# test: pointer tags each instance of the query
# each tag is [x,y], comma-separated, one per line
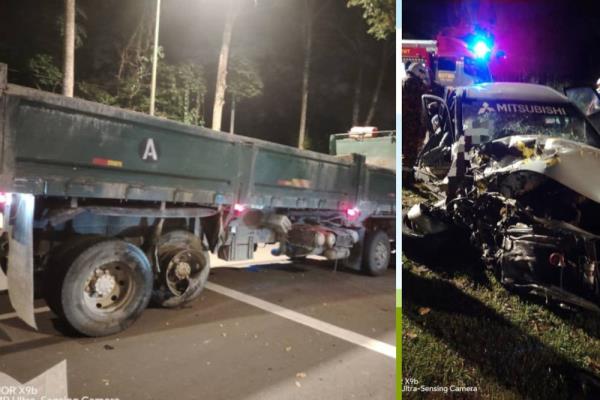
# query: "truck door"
[435,158]
[588,101]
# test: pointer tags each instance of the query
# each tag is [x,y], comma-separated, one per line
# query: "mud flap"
[20,257]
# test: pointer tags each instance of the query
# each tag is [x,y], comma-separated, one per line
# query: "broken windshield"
[486,120]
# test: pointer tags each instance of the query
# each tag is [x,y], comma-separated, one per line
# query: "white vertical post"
[232,119]
[154,59]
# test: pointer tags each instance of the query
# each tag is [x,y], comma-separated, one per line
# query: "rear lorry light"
[353,212]
[239,208]
[5,199]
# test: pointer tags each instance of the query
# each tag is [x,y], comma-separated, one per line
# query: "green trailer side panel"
[303,181]
[77,148]
[58,146]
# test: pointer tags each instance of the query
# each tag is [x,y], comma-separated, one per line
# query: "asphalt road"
[221,347]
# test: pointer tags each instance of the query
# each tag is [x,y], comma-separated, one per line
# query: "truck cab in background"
[378,147]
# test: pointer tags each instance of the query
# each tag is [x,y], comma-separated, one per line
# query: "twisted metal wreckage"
[522,181]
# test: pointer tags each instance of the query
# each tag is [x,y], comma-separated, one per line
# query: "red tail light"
[239,208]
[353,212]
[5,198]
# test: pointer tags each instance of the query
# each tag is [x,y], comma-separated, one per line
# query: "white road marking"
[4,317]
[340,333]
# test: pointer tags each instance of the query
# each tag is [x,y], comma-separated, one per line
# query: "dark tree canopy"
[113,55]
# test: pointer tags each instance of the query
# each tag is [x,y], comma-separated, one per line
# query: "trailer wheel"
[184,268]
[376,253]
[61,259]
[105,287]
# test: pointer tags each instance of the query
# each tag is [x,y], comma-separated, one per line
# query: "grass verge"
[461,328]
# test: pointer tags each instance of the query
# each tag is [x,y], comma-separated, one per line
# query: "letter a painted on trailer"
[150,153]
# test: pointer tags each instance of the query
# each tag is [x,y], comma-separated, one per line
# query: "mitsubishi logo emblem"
[485,107]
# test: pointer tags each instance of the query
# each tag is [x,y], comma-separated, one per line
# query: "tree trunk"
[69,49]
[222,69]
[357,92]
[305,77]
[375,99]
[232,119]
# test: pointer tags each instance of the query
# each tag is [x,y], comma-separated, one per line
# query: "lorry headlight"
[330,239]
[319,239]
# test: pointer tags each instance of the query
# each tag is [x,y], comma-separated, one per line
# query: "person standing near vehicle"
[413,132]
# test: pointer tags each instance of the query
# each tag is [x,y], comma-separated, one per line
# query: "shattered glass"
[491,120]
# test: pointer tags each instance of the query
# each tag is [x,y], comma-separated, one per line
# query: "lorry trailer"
[112,209]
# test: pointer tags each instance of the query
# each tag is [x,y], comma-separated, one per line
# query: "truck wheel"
[104,289]
[54,274]
[184,269]
[377,253]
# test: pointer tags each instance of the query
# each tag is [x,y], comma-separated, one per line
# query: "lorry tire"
[376,253]
[184,268]
[61,258]
[101,288]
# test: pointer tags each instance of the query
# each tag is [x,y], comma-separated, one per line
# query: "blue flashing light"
[481,43]
[481,49]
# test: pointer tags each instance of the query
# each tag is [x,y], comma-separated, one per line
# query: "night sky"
[267,31]
[552,42]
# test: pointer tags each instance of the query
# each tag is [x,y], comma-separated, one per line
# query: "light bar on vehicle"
[481,49]
[363,131]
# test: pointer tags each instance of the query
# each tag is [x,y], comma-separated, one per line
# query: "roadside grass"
[461,327]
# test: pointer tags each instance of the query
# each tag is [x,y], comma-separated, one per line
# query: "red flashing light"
[239,208]
[353,212]
[5,198]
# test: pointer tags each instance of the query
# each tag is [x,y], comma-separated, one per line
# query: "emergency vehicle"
[459,56]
